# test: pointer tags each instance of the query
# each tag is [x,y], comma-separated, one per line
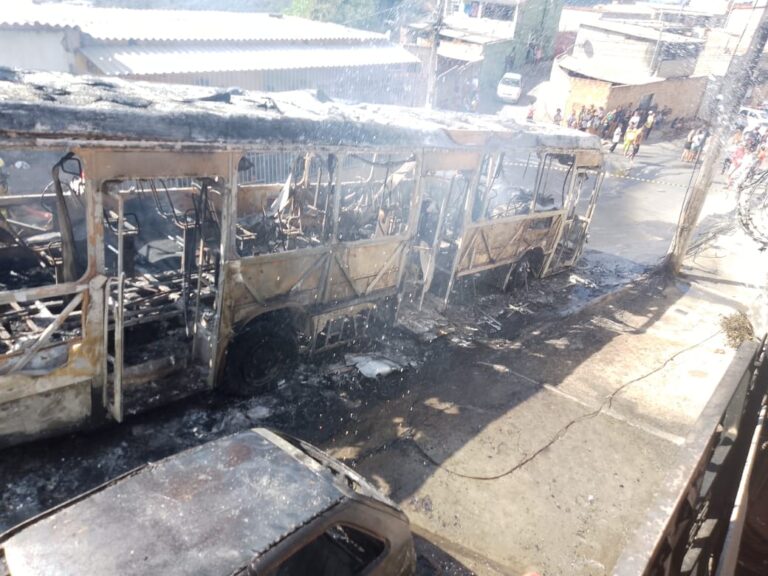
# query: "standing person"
[629,138]
[572,120]
[616,138]
[558,119]
[734,143]
[607,124]
[697,144]
[531,113]
[686,156]
[635,118]
[594,127]
[648,126]
[583,119]
[635,144]
[621,115]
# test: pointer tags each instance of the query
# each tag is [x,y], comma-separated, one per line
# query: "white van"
[510,88]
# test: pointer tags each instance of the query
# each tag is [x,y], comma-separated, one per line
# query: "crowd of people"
[694,144]
[747,150]
[626,124]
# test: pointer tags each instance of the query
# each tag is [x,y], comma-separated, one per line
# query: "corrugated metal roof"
[163,59]
[118,24]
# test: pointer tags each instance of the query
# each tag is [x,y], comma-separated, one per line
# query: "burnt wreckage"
[150,230]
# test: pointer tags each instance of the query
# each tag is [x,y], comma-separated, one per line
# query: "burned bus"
[160,240]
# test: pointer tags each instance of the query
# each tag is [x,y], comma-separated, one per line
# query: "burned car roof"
[207,510]
[57,106]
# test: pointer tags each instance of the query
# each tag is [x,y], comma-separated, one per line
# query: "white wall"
[571,18]
[615,51]
[35,50]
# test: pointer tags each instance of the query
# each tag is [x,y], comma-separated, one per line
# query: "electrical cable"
[560,433]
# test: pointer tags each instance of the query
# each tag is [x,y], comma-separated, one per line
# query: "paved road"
[640,203]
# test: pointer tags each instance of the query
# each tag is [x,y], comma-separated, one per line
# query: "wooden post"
[735,84]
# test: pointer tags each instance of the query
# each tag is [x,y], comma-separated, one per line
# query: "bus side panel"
[366,268]
[263,279]
[493,244]
[39,415]
[61,386]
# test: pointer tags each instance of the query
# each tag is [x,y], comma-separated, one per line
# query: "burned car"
[253,503]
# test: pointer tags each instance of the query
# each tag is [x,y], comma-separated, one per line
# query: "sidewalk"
[543,453]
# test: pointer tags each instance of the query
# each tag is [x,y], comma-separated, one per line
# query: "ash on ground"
[316,400]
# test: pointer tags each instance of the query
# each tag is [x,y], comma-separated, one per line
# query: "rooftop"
[119,60]
[611,72]
[208,510]
[42,106]
[122,25]
[473,30]
[642,32]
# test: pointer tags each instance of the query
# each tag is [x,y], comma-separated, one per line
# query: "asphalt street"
[639,201]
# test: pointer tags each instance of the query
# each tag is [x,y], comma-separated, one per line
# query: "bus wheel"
[259,355]
[529,266]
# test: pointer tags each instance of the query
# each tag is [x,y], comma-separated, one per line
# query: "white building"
[254,51]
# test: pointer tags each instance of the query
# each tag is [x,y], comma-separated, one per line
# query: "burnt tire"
[258,356]
[528,267]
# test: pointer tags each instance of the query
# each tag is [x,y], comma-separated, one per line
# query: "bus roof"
[49,108]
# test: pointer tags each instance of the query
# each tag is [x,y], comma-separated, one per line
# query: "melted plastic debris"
[372,366]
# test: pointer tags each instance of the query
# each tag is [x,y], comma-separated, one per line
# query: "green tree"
[377,15]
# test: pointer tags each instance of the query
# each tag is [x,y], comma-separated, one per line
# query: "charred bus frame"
[153,252]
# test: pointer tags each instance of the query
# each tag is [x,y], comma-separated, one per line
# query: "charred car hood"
[208,510]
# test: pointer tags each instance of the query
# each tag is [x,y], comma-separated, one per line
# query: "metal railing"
[701,487]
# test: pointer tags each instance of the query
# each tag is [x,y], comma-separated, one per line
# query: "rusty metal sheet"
[503,242]
[262,279]
[65,406]
[111,165]
[362,268]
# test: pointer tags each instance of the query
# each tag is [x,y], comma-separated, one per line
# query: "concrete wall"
[537,22]
[682,95]
[569,92]
[744,19]
[614,51]
[572,17]
[717,53]
[36,49]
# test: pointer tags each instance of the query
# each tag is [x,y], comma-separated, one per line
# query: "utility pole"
[656,60]
[432,77]
[735,85]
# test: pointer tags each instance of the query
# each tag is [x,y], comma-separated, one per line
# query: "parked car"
[751,118]
[510,88]
[256,503]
